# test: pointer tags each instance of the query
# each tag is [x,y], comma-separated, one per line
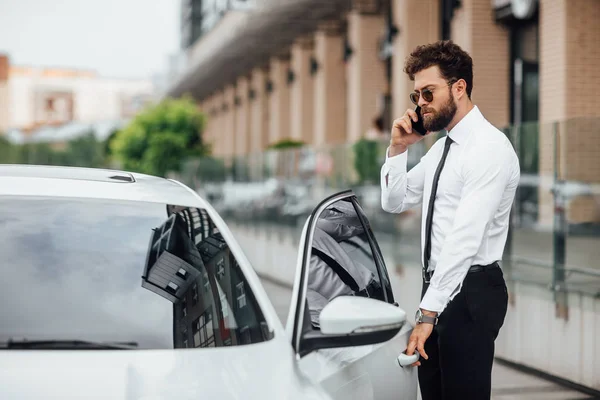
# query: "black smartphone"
[418,126]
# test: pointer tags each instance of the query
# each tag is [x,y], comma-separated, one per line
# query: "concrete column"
[301,91]
[418,22]
[279,100]
[4,94]
[488,43]
[216,124]
[242,115]
[366,72]
[569,57]
[228,122]
[259,106]
[569,84]
[330,86]
[213,115]
[204,106]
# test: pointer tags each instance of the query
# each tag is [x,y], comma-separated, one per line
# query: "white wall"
[21,102]
[4,106]
[95,98]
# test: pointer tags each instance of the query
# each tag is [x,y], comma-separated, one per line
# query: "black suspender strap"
[337,268]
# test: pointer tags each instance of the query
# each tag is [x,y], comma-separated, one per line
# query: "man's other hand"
[402,135]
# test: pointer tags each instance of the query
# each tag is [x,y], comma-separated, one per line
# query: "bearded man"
[466,185]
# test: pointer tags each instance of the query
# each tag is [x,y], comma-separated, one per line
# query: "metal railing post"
[559,232]
[507,265]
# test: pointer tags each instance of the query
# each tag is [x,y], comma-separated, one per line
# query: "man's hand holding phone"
[404,133]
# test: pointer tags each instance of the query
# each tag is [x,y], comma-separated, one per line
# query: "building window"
[224,305]
[196,335]
[245,337]
[184,307]
[206,282]
[220,269]
[195,294]
[204,335]
[182,273]
[210,335]
[50,104]
[172,287]
[241,295]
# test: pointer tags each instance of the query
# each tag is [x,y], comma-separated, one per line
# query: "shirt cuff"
[398,161]
[434,300]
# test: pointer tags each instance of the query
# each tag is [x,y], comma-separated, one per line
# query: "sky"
[117,38]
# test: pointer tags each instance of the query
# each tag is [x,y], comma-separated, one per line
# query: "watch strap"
[428,320]
[422,318]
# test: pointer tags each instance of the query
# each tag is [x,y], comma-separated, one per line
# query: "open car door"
[346,329]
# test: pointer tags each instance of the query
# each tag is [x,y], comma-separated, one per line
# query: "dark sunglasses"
[427,94]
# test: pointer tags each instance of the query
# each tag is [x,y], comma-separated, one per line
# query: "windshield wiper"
[68,345]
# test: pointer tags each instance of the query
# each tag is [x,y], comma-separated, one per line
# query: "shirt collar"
[463,129]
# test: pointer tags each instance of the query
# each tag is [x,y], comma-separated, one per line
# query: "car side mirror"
[354,321]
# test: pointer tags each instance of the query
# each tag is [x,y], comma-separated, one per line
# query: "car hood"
[264,370]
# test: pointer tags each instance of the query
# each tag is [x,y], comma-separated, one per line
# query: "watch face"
[418,315]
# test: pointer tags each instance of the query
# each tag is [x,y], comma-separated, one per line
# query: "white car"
[118,285]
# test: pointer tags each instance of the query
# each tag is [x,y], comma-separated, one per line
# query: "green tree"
[286,144]
[211,169]
[85,151]
[366,161]
[161,137]
[7,151]
[108,143]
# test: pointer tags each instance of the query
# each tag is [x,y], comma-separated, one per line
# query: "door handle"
[406,360]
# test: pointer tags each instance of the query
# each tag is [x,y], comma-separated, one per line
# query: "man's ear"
[460,88]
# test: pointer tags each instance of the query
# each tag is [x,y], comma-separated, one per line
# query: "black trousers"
[461,346]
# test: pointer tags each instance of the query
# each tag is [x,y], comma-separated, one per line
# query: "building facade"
[322,72]
[34,97]
[343,62]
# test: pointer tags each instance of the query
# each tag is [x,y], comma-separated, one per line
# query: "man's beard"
[439,120]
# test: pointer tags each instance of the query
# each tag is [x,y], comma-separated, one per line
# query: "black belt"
[474,268]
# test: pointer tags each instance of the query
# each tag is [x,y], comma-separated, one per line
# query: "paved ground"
[507,383]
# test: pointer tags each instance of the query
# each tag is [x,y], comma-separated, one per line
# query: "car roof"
[55,181]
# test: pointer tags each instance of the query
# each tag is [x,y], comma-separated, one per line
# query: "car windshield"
[80,273]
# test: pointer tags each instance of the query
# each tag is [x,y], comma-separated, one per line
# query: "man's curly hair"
[453,62]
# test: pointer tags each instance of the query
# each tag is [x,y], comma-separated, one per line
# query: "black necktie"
[436,178]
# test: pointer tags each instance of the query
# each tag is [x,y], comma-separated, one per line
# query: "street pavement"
[507,383]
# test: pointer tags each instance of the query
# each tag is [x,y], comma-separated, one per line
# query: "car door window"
[343,259]
[377,254]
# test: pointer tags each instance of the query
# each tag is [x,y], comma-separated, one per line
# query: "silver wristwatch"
[421,318]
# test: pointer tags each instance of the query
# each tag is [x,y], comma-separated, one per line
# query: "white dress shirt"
[475,193]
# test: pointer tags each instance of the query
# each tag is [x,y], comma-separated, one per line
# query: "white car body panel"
[263,370]
[371,371]
[256,371]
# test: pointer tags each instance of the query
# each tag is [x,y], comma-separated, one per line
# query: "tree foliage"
[83,151]
[161,137]
[286,144]
[366,161]
[211,169]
